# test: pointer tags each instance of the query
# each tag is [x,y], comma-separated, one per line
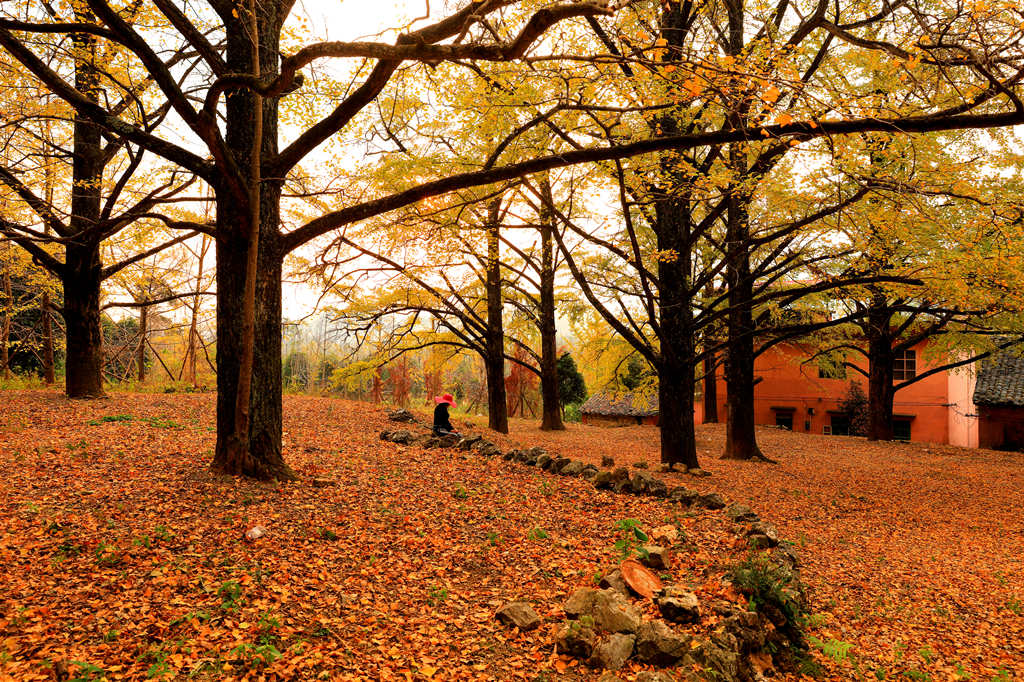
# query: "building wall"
[794,388]
[1001,428]
[962,415]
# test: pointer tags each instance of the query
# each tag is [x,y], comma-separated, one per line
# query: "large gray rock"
[559,464]
[544,461]
[711,501]
[607,461]
[490,450]
[576,640]
[536,452]
[683,495]
[580,602]
[468,442]
[602,479]
[401,437]
[589,472]
[401,415]
[613,580]
[656,557]
[718,657]
[448,441]
[678,605]
[519,614]
[613,652]
[657,488]
[741,513]
[657,643]
[613,613]
[573,468]
[762,535]
[608,609]
[748,629]
[640,482]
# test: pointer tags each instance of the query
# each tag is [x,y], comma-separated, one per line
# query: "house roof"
[629,404]
[1001,381]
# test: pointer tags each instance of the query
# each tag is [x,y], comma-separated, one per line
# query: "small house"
[607,408]
[999,399]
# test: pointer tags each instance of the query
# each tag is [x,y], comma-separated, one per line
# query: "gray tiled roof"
[1001,381]
[640,404]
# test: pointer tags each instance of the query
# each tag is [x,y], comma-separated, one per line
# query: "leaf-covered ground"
[914,552]
[121,555]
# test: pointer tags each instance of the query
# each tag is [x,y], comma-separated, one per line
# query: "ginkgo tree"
[228,107]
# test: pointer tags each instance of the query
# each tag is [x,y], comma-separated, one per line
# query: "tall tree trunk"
[740,438]
[262,458]
[551,410]
[259,455]
[83,373]
[5,325]
[44,312]
[710,389]
[880,370]
[140,352]
[83,269]
[494,358]
[676,367]
[193,328]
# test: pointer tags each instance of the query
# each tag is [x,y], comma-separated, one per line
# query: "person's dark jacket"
[442,422]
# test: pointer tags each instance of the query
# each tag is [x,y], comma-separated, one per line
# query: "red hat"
[446,398]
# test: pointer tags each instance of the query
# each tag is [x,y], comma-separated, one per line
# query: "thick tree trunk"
[193,328]
[710,390]
[5,325]
[140,352]
[494,359]
[48,370]
[83,373]
[741,438]
[262,459]
[551,410]
[83,269]
[261,456]
[676,369]
[880,372]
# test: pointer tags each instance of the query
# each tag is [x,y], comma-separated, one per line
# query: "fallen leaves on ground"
[914,552]
[122,556]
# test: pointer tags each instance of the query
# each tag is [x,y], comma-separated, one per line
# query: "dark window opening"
[840,425]
[901,429]
[904,366]
[784,419]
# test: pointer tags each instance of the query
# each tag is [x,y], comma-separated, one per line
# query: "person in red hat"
[442,422]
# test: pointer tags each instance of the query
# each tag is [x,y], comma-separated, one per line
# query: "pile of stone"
[604,627]
[619,480]
[759,534]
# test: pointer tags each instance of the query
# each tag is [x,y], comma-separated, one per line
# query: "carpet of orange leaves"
[122,556]
[120,552]
[914,552]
